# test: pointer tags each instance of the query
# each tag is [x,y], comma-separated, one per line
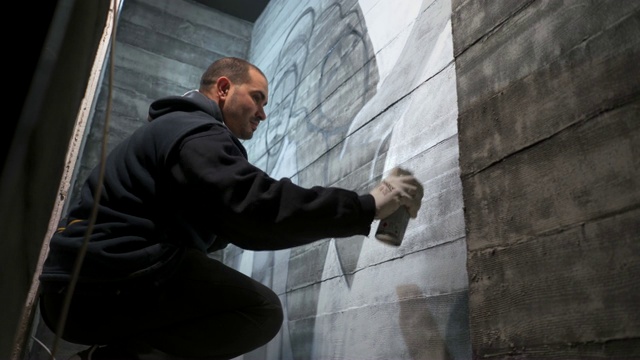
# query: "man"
[177,189]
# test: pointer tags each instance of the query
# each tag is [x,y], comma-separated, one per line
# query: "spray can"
[392,228]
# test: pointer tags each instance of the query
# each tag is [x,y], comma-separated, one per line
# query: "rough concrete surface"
[549,102]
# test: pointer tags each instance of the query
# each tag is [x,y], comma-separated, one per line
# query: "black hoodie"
[183,180]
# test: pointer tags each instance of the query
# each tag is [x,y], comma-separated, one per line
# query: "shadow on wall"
[426,336]
[418,326]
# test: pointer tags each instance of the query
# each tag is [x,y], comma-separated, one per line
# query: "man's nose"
[261,115]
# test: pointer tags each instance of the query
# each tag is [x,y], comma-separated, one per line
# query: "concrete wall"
[549,128]
[358,87]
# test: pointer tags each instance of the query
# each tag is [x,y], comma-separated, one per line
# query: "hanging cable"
[98,192]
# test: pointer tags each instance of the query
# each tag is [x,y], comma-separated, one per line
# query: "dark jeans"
[203,310]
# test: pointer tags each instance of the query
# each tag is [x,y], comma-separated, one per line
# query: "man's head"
[241,91]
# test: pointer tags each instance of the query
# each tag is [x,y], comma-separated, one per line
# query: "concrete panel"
[156,68]
[476,19]
[582,272]
[139,37]
[145,25]
[590,78]
[589,171]
[533,38]
[548,130]
[192,13]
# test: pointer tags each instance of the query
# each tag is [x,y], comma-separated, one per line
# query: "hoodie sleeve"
[250,209]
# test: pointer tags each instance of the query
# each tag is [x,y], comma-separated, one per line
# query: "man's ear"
[222,87]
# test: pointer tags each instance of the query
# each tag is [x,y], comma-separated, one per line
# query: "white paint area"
[389,24]
[246,262]
[429,117]
[420,91]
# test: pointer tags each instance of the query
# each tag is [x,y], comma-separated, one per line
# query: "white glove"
[400,188]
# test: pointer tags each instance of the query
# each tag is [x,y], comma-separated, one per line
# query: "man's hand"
[400,188]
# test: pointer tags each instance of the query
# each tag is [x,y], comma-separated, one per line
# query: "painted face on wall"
[243,107]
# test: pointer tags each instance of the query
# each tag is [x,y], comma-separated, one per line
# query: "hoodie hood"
[190,101]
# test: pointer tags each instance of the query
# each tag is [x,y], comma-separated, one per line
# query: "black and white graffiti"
[356,88]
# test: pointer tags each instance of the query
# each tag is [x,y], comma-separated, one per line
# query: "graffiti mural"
[325,73]
[352,95]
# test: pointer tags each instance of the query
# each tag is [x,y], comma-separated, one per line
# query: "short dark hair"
[236,69]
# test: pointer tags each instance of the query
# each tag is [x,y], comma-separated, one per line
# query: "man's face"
[243,108]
